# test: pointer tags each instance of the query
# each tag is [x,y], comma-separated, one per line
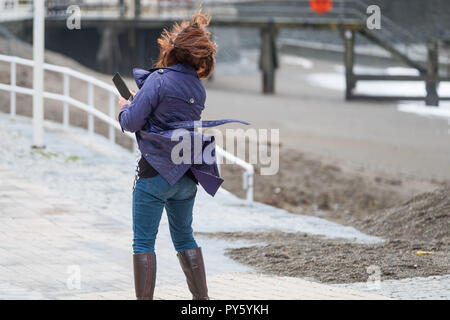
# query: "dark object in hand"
[122,87]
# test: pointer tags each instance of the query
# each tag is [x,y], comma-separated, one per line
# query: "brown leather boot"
[144,265]
[194,268]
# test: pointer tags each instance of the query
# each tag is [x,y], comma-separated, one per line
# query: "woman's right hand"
[123,102]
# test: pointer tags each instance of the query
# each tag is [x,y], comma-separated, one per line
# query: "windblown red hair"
[189,43]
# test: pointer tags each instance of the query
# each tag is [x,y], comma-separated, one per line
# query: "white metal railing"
[89,108]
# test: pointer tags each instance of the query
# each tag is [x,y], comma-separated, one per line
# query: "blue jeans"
[150,196]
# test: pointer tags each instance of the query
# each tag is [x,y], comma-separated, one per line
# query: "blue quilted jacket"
[170,99]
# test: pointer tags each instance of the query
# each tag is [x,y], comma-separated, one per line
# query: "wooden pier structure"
[130,19]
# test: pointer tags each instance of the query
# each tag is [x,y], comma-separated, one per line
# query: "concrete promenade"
[65,230]
[49,243]
[62,237]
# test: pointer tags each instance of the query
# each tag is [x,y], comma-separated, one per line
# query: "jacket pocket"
[190,100]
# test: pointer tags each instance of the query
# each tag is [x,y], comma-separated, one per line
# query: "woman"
[171,97]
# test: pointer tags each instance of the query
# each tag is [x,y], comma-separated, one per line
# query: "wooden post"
[122,8]
[109,54]
[349,60]
[132,46]
[268,59]
[137,8]
[432,98]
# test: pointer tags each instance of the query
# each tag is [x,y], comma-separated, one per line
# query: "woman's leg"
[179,211]
[147,211]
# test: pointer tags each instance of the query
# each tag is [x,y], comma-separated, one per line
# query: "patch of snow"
[297,61]
[391,88]
[362,69]
[333,81]
[402,71]
[419,108]
[336,81]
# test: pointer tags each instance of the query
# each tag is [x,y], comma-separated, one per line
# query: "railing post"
[112,114]
[38,73]
[218,162]
[13,74]
[66,112]
[247,178]
[91,104]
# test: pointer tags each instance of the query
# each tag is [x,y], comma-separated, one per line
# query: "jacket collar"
[140,75]
[185,68]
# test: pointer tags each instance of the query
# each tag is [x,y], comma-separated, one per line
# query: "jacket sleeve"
[134,116]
